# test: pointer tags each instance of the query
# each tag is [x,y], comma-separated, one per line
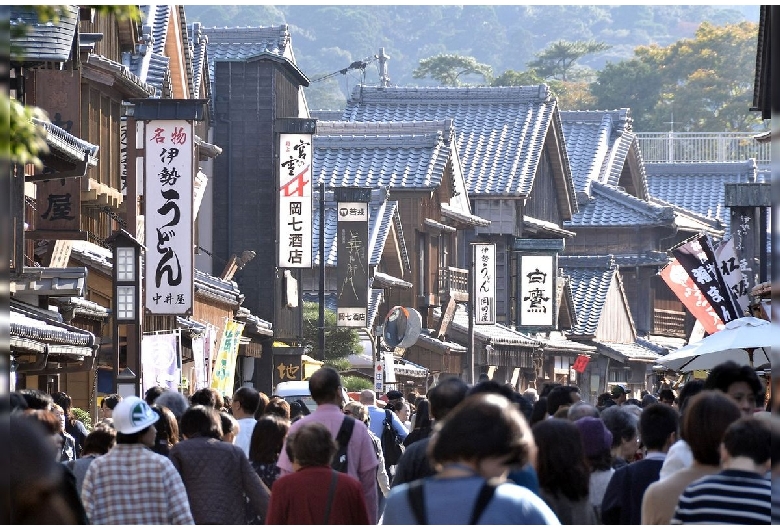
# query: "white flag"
[729,265]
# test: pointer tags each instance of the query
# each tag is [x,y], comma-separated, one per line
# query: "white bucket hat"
[132,414]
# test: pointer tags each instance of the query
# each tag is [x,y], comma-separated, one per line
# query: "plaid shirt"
[134,485]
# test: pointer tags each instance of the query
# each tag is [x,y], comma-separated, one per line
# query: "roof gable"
[601,146]
[501,131]
[591,279]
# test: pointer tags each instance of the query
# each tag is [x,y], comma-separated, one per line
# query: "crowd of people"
[469,454]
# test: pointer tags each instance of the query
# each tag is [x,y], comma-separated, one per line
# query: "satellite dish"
[402,327]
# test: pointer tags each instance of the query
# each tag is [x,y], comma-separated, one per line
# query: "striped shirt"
[729,497]
[131,484]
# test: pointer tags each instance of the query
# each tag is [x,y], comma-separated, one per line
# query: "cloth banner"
[198,358]
[731,270]
[225,363]
[698,259]
[581,363]
[160,361]
[689,294]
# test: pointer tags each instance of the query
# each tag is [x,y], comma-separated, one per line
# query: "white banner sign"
[379,376]
[484,283]
[389,367]
[168,217]
[537,275]
[731,268]
[160,363]
[295,201]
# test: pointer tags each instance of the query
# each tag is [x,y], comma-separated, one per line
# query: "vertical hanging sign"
[537,290]
[295,201]
[168,191]
[352,267]
[484,283]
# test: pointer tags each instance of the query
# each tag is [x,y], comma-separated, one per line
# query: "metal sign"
[168,183]
[295,201]
[484,283]
[352,267]
[379,371]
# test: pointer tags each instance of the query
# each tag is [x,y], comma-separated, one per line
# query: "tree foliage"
[27,141]
[559,58]
[449,69]
[339,342]
[701,84]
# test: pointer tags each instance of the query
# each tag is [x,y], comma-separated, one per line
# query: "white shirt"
[244,438]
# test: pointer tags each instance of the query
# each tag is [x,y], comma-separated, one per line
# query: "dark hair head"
[559,396]
[561,464]
[174,401]
[725,374]
[298,409]
[134,438]
[656,423]
[153,393]
[505,390]
[422,418]
[167,427]
[63,400]
[750,437]
[621,423]
[263,401]
[539,411]
[48,419]
[201,421]
[324,385]
[311,445]
[99,441]
[279,407]
[446,395]
[688,390]
[248,398]
[547,387]
[208,397]
[706,417]
[17,402]
[111,401]
[227,422]
[666,394]
[268,438]
[36,399]
[483,425]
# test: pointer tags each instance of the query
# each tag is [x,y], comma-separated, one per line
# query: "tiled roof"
[385,281]
[591,277]
[66,145]
[629,352]
[598,144]
[240,44]
[380,223]
[645,259]
[326,115]
[497,334]
[217,288]
[44,41]
[692,221]
[132,84]
[463,217]
[27,322]
[392,155]
[700,187]
[427,340]
[199,43]
[611,207]
[534,226]
[501,131]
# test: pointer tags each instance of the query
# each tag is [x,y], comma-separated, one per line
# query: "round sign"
[402,327]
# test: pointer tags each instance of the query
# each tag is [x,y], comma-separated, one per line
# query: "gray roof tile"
[391,155]
[635,351]
[500,130]
[590,277]
[700,187]
[611,207]
[44,41]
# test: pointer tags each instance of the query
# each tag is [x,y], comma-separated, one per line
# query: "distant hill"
[328,39]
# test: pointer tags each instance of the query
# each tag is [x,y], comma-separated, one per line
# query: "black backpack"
[339,462]
[392,446]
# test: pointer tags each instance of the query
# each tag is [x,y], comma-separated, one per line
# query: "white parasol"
[747,341]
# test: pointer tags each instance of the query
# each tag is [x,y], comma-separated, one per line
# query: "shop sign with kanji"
[295,201]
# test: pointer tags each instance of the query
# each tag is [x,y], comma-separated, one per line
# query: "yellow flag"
[225,364]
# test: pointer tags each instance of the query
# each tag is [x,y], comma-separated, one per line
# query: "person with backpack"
[386,425]
[473,450]
[361,461]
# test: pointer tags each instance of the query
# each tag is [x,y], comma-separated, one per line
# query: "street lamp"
[127,308]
